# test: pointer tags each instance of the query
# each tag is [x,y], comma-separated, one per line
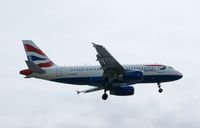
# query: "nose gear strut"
[160,90]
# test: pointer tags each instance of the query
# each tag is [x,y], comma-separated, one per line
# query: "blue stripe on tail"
[35,58]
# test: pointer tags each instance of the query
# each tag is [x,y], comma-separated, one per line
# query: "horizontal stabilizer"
[33,67]
[90,90]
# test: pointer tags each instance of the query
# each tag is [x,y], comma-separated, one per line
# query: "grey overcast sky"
[135,32]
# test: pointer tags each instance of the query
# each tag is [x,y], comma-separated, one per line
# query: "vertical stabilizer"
[36,55]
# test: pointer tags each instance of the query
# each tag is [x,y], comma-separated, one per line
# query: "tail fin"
[36,55]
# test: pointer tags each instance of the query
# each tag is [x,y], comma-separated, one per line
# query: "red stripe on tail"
[46,65]
[30,48]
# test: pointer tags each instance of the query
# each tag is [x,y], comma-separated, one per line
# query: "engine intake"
[122,91]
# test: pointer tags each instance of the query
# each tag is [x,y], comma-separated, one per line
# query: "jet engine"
[122,91]
[131,76]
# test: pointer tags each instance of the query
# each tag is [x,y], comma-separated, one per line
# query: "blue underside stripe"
[101,81]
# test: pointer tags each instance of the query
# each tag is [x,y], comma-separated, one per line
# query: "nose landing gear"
[160,90]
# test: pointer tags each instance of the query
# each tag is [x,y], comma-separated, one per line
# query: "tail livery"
[36,59]
[36,55]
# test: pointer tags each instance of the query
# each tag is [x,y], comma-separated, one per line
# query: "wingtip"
[78,92]
[94,44]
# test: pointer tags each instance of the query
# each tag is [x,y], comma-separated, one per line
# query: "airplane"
[110,76]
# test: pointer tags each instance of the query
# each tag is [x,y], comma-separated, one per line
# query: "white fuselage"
[91,75]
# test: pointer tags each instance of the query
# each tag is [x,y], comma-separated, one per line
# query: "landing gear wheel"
[160,90]
[104,96]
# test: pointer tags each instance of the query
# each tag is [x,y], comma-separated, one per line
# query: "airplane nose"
[179,74]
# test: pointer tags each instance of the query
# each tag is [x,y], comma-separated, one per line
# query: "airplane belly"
[81,78]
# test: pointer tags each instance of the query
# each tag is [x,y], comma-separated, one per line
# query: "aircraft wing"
[109,64]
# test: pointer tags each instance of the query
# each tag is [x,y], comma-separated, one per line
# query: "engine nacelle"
[131,76]
[122,91]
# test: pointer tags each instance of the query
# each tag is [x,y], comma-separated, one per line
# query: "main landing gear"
[160,90]
[105,95]
[107,88]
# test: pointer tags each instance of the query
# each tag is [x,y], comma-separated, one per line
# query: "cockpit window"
[163,68]
[171,68]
